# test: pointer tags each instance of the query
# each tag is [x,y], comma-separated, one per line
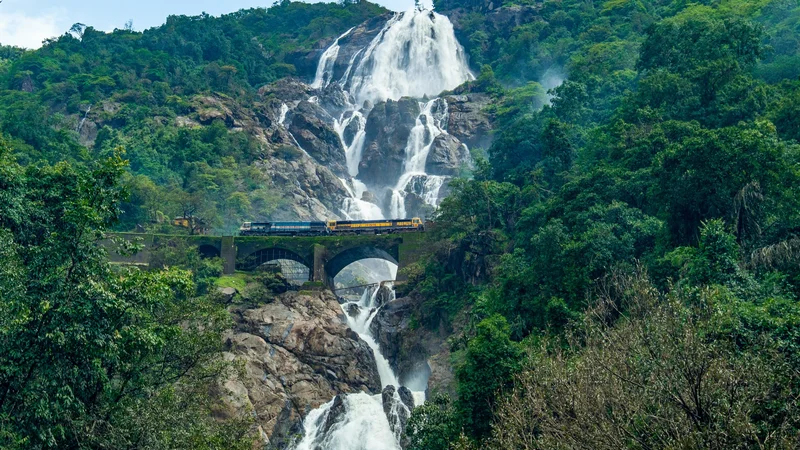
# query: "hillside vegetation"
[137,85]
[622,271]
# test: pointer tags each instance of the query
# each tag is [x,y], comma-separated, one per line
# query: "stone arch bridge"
[324,256]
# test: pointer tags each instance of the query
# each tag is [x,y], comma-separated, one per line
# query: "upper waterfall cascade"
[416,55]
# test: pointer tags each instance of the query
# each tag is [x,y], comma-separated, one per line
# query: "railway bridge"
[324,256]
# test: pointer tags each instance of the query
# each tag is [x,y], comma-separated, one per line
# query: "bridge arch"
[349,256]
[265,255]
[208,251]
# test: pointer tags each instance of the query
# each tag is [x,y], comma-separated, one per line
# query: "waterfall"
[326,63]
[363,424]
[354,207]
[284,110]
[354,148]
[429,125]
[416,55]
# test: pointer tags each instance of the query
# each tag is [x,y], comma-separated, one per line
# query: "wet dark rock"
[368,196]
[335,414]
[467,120]
[390,326]
[333,99]
[389,125]
[406,397]
[397,410]
[353,310]
[448,156]
[387,398]
[318,138]
[350,132]
[384,296]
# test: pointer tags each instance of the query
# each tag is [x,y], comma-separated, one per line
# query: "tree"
[489,365]
[433,425]
[91,357]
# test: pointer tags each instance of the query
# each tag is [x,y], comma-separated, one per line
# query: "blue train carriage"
[283,229]
[375,226]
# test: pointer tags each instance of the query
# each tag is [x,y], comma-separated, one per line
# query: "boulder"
[317,138]
[227,294]
[448,156]
[388,127]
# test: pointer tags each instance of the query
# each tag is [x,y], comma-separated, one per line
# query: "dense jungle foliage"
[624,266]
[621,271]
[92,356]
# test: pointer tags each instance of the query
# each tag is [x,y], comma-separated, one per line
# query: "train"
[332,227]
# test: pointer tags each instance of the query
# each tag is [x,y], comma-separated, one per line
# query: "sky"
[26,23]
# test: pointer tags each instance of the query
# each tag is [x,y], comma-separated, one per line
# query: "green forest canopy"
[651,194]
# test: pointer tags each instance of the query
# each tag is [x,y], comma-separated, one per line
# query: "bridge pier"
[318,271]
[227,252]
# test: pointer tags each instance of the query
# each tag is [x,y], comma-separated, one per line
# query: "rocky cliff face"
[420,357]
[468,121]
[317,138]
[388,126]
[297,354]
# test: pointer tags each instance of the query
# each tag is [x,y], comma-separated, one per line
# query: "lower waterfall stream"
[361,421]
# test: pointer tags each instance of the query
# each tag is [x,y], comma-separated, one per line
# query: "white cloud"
[27,31]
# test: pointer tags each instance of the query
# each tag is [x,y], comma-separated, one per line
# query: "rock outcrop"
[397,405]
[297,354]
[420,357]
[317,138]
[448,156]
[467,120]
[501,19]
[287,90]
[388,126]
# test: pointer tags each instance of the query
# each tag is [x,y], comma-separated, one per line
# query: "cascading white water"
[356,146]
[284,111]
[415,55]
[364,424]
[326,63]
[361,431]
[430,124]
